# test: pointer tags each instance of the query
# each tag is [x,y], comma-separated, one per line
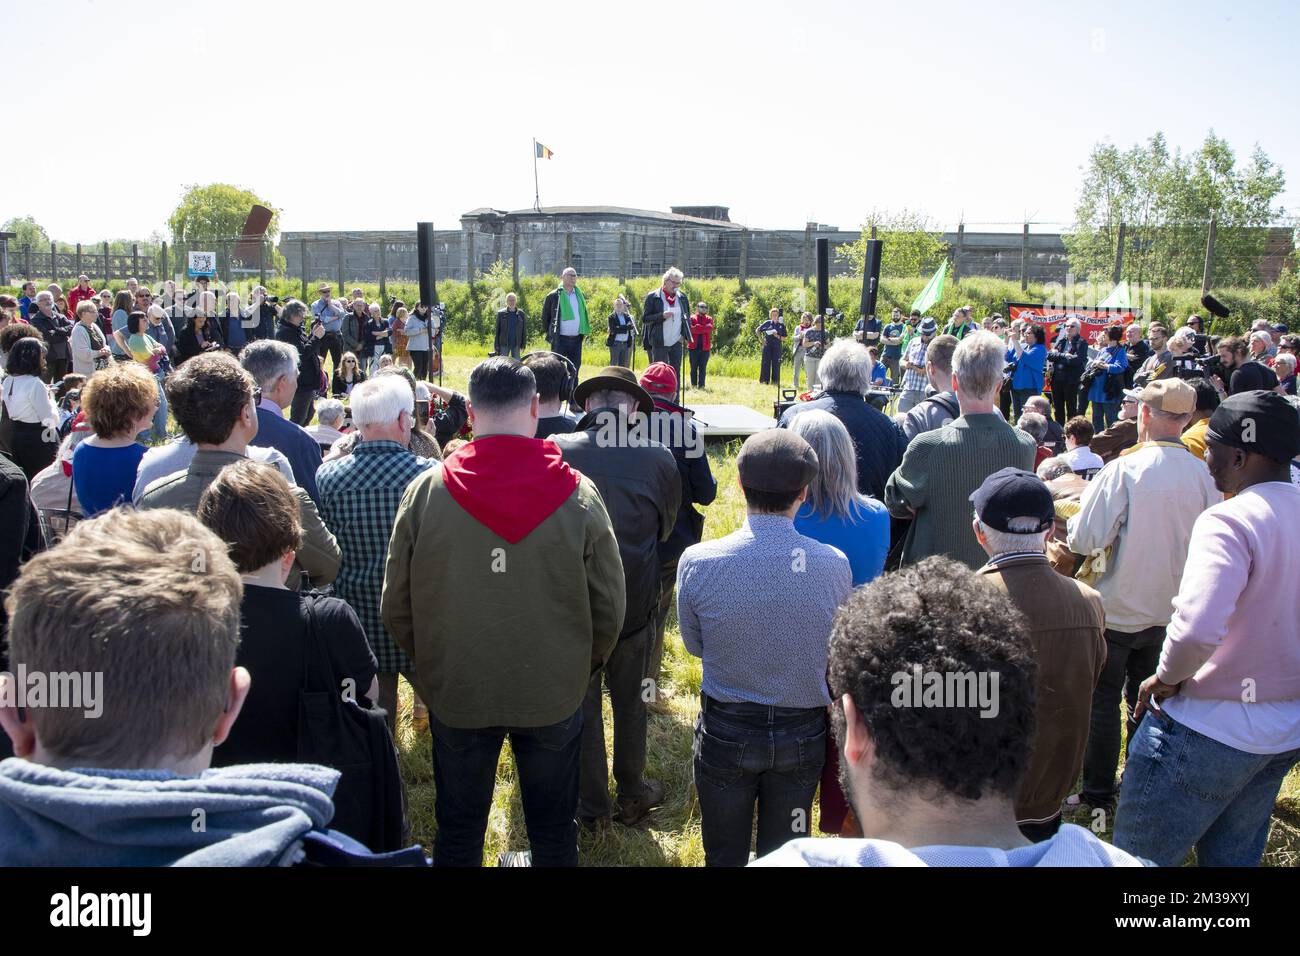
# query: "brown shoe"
[634,810]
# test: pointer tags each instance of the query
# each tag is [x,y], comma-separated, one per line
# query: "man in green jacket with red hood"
[504,585]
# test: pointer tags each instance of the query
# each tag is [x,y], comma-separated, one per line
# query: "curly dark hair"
[942,617]
[11,333]
[25,357]
[207,394]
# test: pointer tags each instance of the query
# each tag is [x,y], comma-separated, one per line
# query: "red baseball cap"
[660,379]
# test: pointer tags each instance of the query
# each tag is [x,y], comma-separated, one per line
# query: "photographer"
[1068,357]
[1241,373]
[1104,379]
[1183,358]
[267,310]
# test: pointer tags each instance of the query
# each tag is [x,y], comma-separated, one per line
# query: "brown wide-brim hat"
[618,379]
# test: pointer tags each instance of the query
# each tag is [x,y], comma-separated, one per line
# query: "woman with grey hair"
[330,417]
[835,513]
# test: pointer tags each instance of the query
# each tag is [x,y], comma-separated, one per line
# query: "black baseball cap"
[1259,422]
[1012,493]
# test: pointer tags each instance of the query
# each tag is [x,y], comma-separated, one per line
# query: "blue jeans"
[1183,789]
[464,773]
[1104,414]
[747,754]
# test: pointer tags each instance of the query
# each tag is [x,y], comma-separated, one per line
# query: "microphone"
[1214,306]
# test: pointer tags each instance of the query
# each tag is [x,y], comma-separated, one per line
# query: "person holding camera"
[1029,353]
[1104,379]
[418,330]
[326,313]
[1068,357]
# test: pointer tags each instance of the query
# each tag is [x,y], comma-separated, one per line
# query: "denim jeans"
[624,672]
[620,353]
[1183,789]
[699,362]
[1018,398]
[1104,414]
[747,754]
[1130,659]
[464,773]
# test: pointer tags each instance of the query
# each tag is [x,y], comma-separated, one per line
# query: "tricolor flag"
[542,151]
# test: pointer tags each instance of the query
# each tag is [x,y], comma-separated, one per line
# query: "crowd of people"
[931,623]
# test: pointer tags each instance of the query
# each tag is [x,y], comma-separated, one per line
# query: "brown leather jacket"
[1066,622]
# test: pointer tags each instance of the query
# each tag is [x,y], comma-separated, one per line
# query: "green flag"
[1117,299]
[933,290]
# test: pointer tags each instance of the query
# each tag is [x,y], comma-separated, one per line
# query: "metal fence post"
[79,272]
[743,266]
[27,260]
[1207,275]
[514,257]
[1024,258]
[342,291]
[135,259]
[163,270]
[622,257]
[303,268]
[108,272]
[383,274]
[54,262]
[1119,255]
[958,250]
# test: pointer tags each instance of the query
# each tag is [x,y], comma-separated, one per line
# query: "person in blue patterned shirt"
[359,495]
[756,606]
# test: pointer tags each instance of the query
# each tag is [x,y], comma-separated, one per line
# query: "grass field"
[671,835]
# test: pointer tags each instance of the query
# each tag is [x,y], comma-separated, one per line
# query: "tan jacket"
[319,553]
[1066,622]
[502,635]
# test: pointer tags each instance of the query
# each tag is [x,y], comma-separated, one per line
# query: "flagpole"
[537,193]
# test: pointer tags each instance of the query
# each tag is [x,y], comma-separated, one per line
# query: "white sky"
[376,114]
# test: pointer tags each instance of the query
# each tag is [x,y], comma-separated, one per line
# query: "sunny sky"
[376,114]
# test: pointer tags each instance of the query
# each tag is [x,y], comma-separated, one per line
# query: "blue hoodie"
[252,815]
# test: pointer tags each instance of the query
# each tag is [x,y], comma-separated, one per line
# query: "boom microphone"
[1215,307]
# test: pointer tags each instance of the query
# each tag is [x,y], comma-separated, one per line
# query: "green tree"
[913,245]
[30,233]
[1166,201]
[214,214]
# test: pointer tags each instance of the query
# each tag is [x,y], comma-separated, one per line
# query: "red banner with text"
[1049,316]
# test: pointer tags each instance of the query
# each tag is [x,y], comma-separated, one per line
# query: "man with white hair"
[1137,516]
[57,330]
[1014,518]
[274,366]
[565,319]
[942,468]
[845,374]
[512,329]
[359,496]
[1039,405]
[666,322]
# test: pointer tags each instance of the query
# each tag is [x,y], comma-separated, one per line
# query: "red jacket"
[75,297]
[702,331]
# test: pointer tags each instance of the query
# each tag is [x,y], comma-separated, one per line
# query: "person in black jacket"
[1241,373]
[1068,357]
[566,322]
[675,429]
[201,335]
[666,322]
[639,484]
[622,334]
[293,332]
[57,329]
[512,329]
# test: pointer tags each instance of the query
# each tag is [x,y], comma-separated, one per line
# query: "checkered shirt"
[914,381]
[359,496]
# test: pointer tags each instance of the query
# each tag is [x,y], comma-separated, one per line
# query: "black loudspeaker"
[871,276]
[823,276]
[1215,307]
[424,253]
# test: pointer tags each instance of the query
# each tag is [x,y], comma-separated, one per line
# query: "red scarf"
[670,299]
[508,483]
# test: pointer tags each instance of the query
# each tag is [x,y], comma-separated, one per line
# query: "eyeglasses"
[257,395]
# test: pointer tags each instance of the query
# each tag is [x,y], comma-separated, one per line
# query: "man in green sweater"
[942,468]
[505,587]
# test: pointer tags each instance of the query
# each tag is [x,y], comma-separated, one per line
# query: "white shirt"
[1143,505]
[672,319]
[1262,727]
[572,326]
[1083,458]
[28,400]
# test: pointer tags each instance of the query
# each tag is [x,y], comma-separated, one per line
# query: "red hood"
[508,483]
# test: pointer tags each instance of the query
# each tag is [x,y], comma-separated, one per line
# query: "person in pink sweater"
[1222,712]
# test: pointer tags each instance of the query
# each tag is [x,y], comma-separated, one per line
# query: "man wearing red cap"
[673,427]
